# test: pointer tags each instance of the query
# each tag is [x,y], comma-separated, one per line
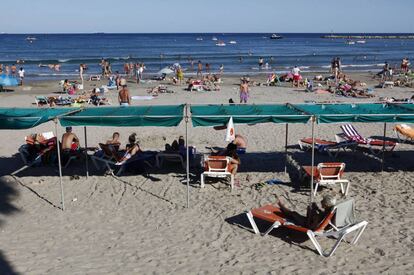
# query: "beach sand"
[139,224]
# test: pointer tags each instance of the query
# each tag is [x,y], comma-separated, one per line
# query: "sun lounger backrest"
[108,149]
[344,214]
[217,164]
[330,170]
[405,130]
[351,133]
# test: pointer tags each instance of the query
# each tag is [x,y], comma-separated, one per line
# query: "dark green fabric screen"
[361,112]
[132,116]
[215,115]
[25,118]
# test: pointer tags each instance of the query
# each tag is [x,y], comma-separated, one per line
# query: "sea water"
[308,51]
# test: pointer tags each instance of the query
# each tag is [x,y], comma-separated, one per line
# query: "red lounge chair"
[274,215]
[327,173]
[331,147]
[218,167]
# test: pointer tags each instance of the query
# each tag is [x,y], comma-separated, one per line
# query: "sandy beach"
[139,223]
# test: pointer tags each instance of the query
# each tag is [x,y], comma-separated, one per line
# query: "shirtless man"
[69,140]
[244,91]
[200,69]
[241,144]
[114,140]
[123,96]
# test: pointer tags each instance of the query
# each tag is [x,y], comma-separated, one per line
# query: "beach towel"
[142,97]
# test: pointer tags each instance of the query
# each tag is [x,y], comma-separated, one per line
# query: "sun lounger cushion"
[405,130]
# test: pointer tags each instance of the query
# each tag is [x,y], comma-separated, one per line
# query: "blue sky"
[85,16]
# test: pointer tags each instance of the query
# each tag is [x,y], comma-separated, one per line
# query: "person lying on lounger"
[314,215]
[131,149]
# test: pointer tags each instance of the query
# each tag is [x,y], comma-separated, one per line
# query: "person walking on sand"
[244,91]
[123,95]
[81,68]
[21,75]
[296,76]
[199,69]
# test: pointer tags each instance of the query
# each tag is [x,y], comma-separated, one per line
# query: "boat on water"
[199,39]
[31,39]
[214,38]
[232,42]
[350,42]
[361,41]
[276,36]
[221,44]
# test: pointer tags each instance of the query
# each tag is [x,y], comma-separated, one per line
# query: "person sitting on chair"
[314,215]
[70,145]
[70,142]
[115,140]
[241,143]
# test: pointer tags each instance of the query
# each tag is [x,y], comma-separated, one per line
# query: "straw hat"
[123,82]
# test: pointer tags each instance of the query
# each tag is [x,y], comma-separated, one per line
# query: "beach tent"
[218,115]
[362,112]
[131,116]
[159,116]
[215,115]
[26,118]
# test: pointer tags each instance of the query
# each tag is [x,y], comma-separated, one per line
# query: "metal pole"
[60,167]
[313,156]
[286,144]
[86,152]
[188,155]
[383,148]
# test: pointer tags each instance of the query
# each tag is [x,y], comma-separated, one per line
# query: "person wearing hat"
[123,96]
[70,142]
[314,215]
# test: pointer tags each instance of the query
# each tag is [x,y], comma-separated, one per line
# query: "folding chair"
[350,133]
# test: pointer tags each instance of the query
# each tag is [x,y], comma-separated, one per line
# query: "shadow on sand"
[8,193]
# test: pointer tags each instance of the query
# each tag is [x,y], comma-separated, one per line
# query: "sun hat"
[123,82]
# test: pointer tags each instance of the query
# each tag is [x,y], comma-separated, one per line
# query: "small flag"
[230,133]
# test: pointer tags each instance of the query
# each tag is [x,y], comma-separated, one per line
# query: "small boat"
[31,39]
[232,42]
[214,38]
[199,39]
[275,36]
[361,41]
[350,42]
[220,44]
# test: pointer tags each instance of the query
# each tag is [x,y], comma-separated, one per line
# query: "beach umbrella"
[230,133]
[6,80]
[166,71]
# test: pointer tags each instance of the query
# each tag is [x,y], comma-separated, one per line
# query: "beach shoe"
[259,185]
